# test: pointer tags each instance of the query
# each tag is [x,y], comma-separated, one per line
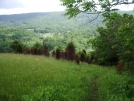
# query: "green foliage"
[46,50]
[30,77]
[28,38]
[75,7]
[126,52]
[82,55]
[50,22]
[4,46]
[58,50]
[8,35]
[70,51]
[115,40]
[78,38]
[17,46]
[37,78]
[33,27]
[71,47]
[53,28]
[37,46]
[116,87]
[53,53]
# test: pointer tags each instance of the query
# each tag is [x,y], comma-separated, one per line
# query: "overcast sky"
[26,6]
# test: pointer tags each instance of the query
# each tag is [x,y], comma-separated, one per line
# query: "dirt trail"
[94,92]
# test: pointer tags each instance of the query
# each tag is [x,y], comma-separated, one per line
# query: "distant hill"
[52,28]
[52,21]
[49,22]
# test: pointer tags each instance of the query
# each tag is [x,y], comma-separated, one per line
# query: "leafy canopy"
[74,7]
[115,41]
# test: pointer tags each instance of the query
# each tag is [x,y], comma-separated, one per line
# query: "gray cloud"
[9,4]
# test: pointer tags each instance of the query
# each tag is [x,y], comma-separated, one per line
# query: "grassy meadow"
[40,78]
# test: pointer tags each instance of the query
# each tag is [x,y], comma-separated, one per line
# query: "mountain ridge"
[52,20]
[40,21]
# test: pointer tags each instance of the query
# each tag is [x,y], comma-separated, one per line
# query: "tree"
[125,39]
[58,53]
[70,51]
[115,41]
[83,55]
[74,7]
[17,46]
[46,50]
[37,48]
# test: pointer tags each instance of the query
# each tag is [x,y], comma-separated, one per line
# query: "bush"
[70,51]
[83,56]
[115,87]
[46,50]
[37,48]
[58,53]
[17,46]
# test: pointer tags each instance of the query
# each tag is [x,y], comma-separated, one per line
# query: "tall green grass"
[116,87]
[39,78]
[33,78]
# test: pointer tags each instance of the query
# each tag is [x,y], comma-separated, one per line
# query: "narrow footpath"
[94,92]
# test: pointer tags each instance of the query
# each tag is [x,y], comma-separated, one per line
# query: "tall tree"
[37,48]
[17,46]
[70,51]
[115,41]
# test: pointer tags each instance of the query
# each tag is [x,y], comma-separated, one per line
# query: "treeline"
[80,39]
[8,35]
[68,54]
[36,49]
[116,40]
[111,43]
[29,37]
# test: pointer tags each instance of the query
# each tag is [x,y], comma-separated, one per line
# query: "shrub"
[53,53]
[37,48]
[77,59]
[17,46]
[83,56]
[46,50]
[58,53]
[70,51]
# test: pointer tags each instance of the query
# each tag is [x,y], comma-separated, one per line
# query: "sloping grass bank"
[116,87]
[38,78]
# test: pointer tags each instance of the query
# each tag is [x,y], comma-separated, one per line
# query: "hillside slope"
[52,21]
[32,27]
[39,78]
[49,22]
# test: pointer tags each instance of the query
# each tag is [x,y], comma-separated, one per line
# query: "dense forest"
[49,22]
[52,28]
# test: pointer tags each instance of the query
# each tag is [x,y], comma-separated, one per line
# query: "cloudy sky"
[26,6]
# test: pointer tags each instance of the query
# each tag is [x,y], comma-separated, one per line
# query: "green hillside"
[48,22]
[52,28]
[46,27]
[39,78]
[52,21]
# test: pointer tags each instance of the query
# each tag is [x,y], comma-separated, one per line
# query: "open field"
[39,78]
